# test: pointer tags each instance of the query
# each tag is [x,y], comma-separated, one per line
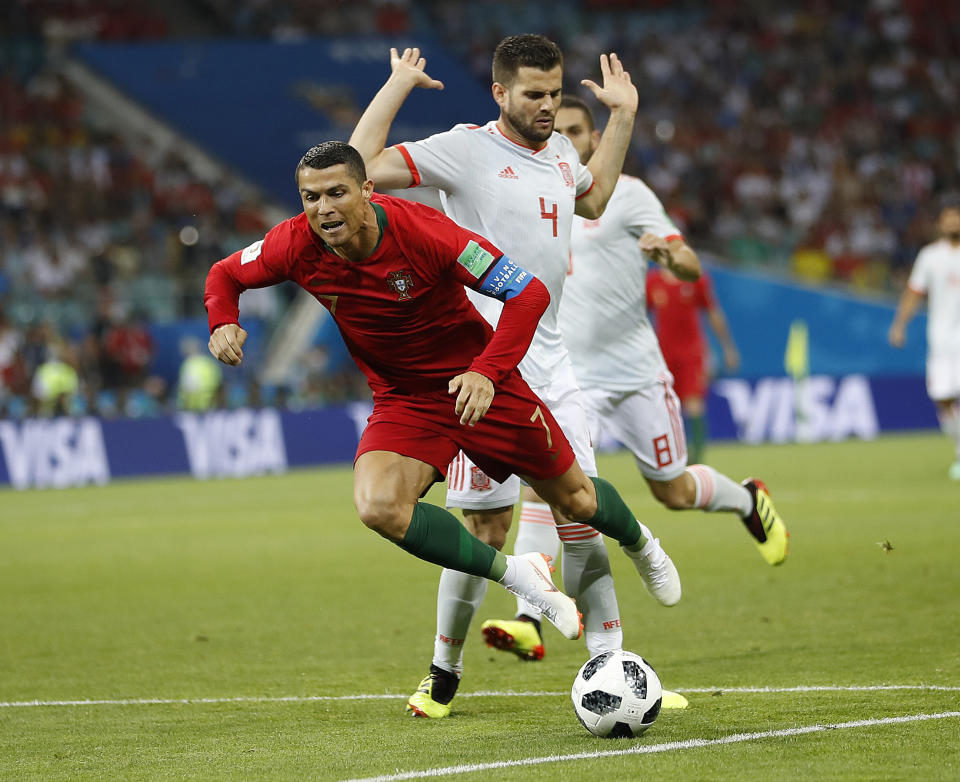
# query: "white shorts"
[943,375]
[647,421]
[469,487]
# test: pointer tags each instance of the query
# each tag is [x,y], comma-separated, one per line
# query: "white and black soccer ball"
[617,695]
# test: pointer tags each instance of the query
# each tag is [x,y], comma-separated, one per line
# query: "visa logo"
[233,443]
[819,408]
[56,452]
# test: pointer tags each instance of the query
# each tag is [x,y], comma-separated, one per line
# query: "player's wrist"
[623,113]
[400,83]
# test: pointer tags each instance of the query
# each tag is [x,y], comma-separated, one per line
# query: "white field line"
[477,694]
[651,749]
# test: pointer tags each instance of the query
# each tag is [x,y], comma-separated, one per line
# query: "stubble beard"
[528,131]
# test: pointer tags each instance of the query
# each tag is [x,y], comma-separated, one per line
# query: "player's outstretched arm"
[386,167]
[675,255]
[618,94]
[909,304]
[226,343]
[718,322]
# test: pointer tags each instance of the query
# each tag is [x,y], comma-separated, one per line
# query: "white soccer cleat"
[657,571]
[534,584]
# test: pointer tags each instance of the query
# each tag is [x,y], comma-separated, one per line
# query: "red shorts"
[689,377]
[517,436]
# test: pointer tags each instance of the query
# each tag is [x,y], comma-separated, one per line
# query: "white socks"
[586,572]
[536,532]
[716,492]
[458,598]
[587,579]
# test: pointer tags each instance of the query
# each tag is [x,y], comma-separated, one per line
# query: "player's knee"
[579,505]
[383,514]
[490,527]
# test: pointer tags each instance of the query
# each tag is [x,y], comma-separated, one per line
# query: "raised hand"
[409,68]
[617,92]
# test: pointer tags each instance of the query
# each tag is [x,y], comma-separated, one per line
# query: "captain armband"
[505,279]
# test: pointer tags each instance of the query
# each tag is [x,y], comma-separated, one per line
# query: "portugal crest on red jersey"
[401,283]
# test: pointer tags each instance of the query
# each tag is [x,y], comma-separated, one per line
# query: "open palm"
[410,66]
[618,91]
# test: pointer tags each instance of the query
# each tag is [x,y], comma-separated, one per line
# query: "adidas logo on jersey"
[508,173]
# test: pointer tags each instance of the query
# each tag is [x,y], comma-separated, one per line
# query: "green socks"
[696,438]
[614,519]
[435,535]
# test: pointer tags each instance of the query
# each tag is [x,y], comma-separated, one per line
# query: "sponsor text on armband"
[505,280]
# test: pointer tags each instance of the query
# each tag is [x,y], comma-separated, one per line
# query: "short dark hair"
[333,153]
[576,102]
[524,51]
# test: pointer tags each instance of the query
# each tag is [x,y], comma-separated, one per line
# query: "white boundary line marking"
[477,694]
[650,749]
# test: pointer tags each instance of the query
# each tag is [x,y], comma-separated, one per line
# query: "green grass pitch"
[260,589]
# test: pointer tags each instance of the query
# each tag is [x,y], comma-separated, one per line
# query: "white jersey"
[936,273]
[603,314]
[519,198]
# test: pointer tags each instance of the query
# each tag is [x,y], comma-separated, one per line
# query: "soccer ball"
[616,695]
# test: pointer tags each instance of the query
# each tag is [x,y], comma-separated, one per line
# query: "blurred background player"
[676,305]
[936,275]
[519,183]
[622,374]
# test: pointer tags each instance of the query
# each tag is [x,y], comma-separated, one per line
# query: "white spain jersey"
[520,199]
[936,273]
[603,314]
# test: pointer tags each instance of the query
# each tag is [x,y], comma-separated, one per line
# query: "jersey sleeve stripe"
[672,237]
[916,290]
[586,191]
[410,164]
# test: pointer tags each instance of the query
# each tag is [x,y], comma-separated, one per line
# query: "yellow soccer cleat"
[673,700]
[514,635]
[433,696]
[766,526]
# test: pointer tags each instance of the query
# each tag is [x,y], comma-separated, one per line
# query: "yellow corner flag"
[796,359]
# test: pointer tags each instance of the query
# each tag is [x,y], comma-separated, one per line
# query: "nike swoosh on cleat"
[551,588]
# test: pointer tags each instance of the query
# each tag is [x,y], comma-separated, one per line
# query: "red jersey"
[676,306]
[402,311]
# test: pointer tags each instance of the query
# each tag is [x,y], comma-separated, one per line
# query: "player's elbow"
[538,294]
[590,207]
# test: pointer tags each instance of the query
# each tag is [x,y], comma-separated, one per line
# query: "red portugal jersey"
[676,306]
[403,311]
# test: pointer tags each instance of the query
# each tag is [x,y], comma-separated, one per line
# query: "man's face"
[334,203]
[530,103]
[573,123]
[950,224]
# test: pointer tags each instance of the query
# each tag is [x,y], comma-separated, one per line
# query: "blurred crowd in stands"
[102,238]
[811,138]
